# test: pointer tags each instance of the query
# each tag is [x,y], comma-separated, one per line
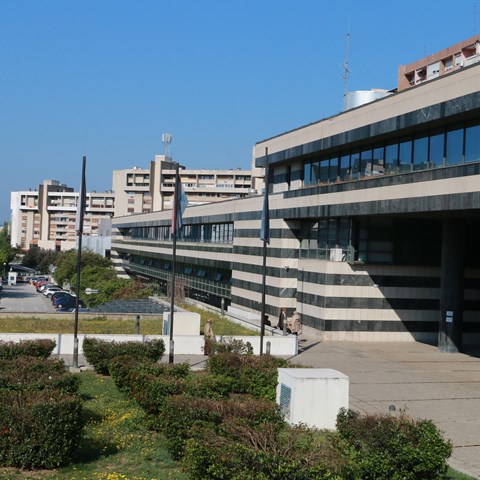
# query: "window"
[391,158]
[344,167]
[405,156]
[472,143]
[437,144]
[454,146]
[420,153]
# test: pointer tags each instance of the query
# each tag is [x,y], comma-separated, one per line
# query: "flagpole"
[80,213]
[175,214]
[265,235]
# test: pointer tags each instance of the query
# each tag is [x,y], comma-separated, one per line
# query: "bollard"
[268,348]
[137,324]
[222,307]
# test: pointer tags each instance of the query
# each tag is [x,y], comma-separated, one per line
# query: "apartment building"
[143,190]
[46,217]
[374,223]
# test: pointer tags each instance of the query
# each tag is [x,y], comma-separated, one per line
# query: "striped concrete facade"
[391,287]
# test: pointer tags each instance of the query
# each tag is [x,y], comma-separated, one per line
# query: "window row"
[204,233]
[460,144]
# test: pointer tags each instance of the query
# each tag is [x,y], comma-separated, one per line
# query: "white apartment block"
[144,190]
[46,217]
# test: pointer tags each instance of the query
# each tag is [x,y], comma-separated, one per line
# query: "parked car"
[62,297]
[48,292]
[66,302]
[43,287]
[61,293]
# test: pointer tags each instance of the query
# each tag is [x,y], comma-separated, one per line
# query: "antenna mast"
[346,68]
[166,140]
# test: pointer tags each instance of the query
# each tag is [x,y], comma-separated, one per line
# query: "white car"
[48,292]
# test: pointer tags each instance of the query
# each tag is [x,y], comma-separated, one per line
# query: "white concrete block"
[312,396]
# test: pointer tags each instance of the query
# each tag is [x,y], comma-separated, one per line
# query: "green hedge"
[181,413]
[124,371]
[244,452]
[255,375]
[32,373]
[99,352]
[42,348]
[39,429]
[395,447]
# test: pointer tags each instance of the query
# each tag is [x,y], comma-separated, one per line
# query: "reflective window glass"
[315,173]
[454,149]
[420,153]
[366,162]
[391,158]
[323,171]
[472,144]
[307,172]
[355,165]
[405,157]
[378,161]
[333,171]
[437,143]
[344,167]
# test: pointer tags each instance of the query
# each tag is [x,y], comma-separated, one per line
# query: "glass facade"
[438,148]
[202,233]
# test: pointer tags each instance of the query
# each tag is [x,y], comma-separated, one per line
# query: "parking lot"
[23,297]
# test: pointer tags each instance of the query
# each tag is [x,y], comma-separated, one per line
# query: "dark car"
[61,293]
[67,302]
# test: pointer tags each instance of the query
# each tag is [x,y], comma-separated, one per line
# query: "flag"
[265,227]
[180,203]
[81,201]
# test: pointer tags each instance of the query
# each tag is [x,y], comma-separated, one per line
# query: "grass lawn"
[148,326]
[116,443]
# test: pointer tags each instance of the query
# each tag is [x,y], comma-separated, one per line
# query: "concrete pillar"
[451,286]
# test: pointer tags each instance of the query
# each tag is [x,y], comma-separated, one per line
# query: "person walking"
[209,337]
[282,319]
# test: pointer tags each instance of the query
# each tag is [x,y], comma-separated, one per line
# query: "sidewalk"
[411,376]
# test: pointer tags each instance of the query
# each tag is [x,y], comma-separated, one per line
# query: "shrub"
[239,451]
[180,414]
[257,376]
[124,371]
[31,373]
[395,447]
[38,429]
[99,353]
[42,348]
[231,345]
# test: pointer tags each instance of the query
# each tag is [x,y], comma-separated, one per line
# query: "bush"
[231,345]
[243,452]
[99,353]
[180,414]
[257,376]
[42,348]
[31,373]
[38,429]
[395,447]
[124,371]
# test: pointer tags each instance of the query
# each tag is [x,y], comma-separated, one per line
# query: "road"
[23,298]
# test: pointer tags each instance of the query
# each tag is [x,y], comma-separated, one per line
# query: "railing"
[201,284]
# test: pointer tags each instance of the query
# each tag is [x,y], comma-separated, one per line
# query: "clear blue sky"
[105,78]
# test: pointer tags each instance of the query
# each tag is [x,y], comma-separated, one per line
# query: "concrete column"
[451,286]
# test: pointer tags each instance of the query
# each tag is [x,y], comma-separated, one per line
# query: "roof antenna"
[474,19]
[346,68]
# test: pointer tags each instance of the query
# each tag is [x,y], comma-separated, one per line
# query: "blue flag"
[265,228]
[180,203]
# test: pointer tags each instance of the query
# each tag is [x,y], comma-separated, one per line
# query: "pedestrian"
[209,337]
[282,318]
[294,325]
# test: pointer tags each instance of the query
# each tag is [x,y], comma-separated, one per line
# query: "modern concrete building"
[143,190]
[374,218]
[46,217]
